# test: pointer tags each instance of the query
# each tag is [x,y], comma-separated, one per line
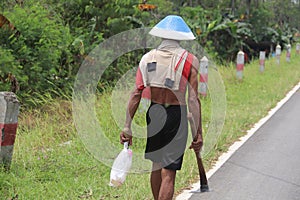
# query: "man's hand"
[197,143]
[126,136]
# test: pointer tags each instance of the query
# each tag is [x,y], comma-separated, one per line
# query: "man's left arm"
[195,105]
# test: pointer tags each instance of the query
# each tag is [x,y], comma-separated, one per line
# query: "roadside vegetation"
[44,43]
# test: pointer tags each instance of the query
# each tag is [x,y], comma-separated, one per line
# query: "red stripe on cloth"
[139,83]
[240,67]
[146,93]
[176,67]
[139,80]
[186,72]
[8,134]
[204,78]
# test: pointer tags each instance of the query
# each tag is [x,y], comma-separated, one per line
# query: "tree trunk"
[232,5]
[248,2]
[256,3]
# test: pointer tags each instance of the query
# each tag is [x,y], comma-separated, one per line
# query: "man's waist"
[167,105]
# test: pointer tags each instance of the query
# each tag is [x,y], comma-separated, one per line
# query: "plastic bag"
[121,167]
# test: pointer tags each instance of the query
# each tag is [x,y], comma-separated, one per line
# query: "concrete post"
[203,76]
[9,111]
[278,53]
[262,57]
[240,61]
[298,48]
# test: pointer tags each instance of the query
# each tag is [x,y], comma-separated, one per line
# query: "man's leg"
[166,191]
[155,179]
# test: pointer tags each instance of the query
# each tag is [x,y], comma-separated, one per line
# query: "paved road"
[267,166]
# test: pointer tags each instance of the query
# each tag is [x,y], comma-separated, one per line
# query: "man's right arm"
[133,104]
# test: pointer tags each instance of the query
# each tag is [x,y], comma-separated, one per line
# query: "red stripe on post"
[204,78]
[240,67]
[8,134]
[262,62]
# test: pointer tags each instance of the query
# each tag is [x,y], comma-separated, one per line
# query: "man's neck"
[166,43]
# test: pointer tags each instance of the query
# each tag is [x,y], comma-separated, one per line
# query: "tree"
[40,49]
[232,4]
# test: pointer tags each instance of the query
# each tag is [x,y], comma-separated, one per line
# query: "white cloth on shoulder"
[162,67]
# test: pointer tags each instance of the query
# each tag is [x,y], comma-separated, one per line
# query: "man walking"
[170,71]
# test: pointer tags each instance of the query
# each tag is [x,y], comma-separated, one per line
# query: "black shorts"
[167,131]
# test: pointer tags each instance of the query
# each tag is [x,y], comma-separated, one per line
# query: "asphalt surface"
[267,166]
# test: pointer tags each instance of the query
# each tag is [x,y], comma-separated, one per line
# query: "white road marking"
[186,194]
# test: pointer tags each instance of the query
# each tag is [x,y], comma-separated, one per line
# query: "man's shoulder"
[192,58]
[192,55]
[147,55]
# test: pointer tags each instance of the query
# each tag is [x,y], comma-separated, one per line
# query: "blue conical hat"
[172,27]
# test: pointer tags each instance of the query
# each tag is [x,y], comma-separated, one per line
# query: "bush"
[8,64]
[38,56]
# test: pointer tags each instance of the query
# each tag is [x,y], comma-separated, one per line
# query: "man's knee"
[168,174]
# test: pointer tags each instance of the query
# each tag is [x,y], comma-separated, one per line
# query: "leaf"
[211,26]
[220,27]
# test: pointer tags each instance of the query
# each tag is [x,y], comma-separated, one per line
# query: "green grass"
[42,168]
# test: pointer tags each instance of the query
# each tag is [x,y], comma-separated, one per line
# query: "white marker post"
[278,53]
[288,53]
[262,57]
[203,76]
[9,111]
[240,60]
[298,48]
